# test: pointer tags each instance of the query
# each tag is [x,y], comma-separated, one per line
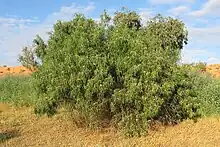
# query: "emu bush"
[123,72]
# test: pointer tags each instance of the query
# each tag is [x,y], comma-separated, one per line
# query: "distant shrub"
[124,73]
[31,57]
[200,66]
[22,70]
[209,94]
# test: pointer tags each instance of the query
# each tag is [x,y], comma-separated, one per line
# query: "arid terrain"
[21,127]
[213,69]
[109,74]
[14,70]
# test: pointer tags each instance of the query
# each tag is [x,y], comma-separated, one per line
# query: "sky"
[21,21]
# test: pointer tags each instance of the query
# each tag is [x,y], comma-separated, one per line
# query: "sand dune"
[16,70]
[213,69]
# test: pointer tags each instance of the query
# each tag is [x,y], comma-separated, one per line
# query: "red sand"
[214,69]
[14,70]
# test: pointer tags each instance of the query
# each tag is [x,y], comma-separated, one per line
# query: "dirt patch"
[60,131]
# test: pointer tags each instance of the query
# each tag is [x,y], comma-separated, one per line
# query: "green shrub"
[123,73]
[200,66]
[209,93]
[17,90]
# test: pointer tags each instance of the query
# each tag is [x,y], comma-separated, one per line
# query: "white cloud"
[213,60]
[170,1]
[67,12]
[210,7]
[15,20]
[208,35]
[197,55]
[180,10]
[206,40]
[17,33]
[145,14]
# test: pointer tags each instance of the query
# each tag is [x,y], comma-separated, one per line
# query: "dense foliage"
[123,73]
[209,94]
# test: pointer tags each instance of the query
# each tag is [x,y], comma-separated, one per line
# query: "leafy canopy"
[123,72]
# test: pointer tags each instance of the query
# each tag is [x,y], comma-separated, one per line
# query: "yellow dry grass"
[26,129]
[21,128]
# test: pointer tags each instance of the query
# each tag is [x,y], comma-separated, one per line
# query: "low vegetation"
[17,90]
[117,72]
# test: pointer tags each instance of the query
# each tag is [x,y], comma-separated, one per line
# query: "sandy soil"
[214,69]
[21,128]
[14,70]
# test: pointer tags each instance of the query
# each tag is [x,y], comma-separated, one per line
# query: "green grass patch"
[17,90]
[210,95]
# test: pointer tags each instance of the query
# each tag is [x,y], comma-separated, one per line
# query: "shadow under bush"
[8,135]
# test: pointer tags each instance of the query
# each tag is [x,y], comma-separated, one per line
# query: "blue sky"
[21,20]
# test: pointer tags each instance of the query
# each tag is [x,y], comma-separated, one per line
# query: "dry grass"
[20,127]
[29,130]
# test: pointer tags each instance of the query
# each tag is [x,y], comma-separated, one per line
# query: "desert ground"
[4,70]
[20,127]
[213,69]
